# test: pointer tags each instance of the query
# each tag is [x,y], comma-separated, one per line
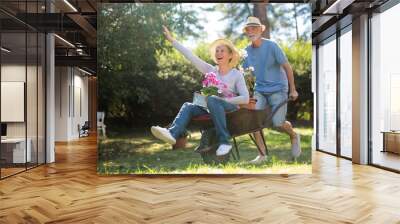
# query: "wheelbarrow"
[241,122]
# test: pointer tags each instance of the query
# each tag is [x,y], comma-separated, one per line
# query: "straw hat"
[253,21]
[235,53]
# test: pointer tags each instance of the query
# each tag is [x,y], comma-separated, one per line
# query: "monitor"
[3,129]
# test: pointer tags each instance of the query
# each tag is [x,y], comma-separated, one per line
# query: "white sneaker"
[223,149]
[163,134]
[296,150]
[259,159]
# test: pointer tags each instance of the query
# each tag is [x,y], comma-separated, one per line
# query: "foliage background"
[143,81]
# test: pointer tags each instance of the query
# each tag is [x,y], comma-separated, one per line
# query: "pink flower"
[211,80]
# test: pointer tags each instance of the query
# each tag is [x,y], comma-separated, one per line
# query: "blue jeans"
[217,108]
[273,100]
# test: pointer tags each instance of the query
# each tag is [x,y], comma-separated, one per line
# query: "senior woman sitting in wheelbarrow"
[226,56]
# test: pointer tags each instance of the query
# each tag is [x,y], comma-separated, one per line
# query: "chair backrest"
[86,125]
[100,118]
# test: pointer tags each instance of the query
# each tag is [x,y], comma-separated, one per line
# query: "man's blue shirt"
[266,61]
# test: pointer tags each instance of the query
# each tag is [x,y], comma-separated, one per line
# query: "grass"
[139,152]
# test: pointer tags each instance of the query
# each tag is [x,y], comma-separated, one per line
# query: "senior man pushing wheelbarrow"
[274,79]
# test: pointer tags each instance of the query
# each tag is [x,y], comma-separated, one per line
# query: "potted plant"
[250,82]
[211,87]
[181,141]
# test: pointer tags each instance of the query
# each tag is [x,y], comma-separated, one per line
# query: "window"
[346,93]
[327,96]
[385,84]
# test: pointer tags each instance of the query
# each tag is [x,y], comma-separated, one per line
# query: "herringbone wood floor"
[70,191]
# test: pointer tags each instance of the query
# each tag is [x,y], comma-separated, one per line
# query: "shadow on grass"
[139,152]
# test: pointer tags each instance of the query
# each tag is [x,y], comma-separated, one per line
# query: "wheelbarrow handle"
[279,106]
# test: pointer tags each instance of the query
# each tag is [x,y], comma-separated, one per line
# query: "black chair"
[84,130]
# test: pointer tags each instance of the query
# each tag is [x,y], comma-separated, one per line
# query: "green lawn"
[140,153]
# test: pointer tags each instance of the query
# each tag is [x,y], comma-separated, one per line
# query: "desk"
[13,150]
[391,141]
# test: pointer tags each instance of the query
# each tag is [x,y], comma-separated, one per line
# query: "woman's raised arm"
[168,34]
[201,65]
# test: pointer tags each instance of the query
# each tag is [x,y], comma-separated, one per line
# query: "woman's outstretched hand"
[168,34]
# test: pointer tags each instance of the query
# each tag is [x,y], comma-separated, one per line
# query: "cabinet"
[391,142]
[13,150]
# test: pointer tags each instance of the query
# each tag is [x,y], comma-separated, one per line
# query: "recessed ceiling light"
[64,40]
[338,6]
[86,72]
[5,50]
[70,5]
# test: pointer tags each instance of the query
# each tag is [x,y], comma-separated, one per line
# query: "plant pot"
[251,105]
[180,143]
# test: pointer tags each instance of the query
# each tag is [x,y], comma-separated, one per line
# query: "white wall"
[62,81]
[71,102]
[33,126]
[12,73]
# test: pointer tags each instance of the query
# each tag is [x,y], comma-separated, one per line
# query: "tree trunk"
[295,18]
[260,11]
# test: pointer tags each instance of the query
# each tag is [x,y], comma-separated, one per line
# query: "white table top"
[13,140]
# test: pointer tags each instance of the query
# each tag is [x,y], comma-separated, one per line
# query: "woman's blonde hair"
[232,49]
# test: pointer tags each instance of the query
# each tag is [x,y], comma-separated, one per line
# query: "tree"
[236,15]
[260,11]
[130,41]
[299,55]
[296,20]
[288,18]
[303,10]
[281,20]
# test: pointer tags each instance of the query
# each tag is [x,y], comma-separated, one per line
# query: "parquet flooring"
[10,171]
[70,191]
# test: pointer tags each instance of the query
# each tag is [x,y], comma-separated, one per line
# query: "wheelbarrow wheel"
[208,147]
[210,157]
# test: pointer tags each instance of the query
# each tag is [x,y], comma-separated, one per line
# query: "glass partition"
[385,89]
[22,87]
[13,108]
[346,93]
[41,87]
[31,100]
[327,96]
